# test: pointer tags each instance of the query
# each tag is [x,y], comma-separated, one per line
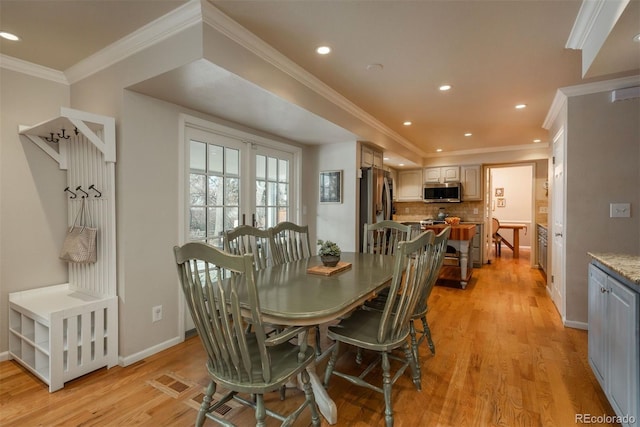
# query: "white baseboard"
[126,361]
[4,356]
[576,325]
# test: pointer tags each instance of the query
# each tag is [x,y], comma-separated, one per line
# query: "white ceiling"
[495,54]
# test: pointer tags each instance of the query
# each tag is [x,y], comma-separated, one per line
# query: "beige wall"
[603,148]
[33,208]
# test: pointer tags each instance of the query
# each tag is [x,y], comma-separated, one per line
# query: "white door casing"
[557,282]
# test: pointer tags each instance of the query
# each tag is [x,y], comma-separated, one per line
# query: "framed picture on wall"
[502,202]
[331,186]
[499,191]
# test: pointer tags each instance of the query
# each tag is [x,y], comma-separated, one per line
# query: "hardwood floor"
[502,358]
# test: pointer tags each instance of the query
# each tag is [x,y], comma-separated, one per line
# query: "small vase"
[330,260]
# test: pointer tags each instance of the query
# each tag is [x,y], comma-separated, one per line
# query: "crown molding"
[240,35]
[162,28]
[29,68]
[595,20]
[489,150]
[585,89]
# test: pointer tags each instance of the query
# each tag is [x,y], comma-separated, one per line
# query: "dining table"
[515,247]
[291,295]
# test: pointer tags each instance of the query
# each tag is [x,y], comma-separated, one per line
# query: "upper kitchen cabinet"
[370,157]
[442,174]
[471,178]
[409,185]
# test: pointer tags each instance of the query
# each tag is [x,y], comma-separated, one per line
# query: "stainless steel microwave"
[448,192]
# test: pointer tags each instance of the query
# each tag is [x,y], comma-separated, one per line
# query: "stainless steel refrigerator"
[376,197]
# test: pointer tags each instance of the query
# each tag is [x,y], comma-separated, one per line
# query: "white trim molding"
[31,69]
[585,89]
[593,24]
[162,28]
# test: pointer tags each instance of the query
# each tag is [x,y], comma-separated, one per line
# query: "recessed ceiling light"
[9,36]
[636,38]
[521,106]
[323,50]
[445,87]
[407,123]
[400,164]
[468,134]
[375,67]
[537,140]
[385,158]
[438,150]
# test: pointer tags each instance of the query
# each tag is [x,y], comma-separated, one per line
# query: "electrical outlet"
[543,209]
[475,211]
[156,313]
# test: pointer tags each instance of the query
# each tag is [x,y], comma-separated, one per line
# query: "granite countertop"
[542,224]
[628,266]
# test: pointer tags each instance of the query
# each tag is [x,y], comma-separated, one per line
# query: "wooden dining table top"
[289,295]
[458,232]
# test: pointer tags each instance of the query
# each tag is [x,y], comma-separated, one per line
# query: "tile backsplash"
[415,211]
[467,211]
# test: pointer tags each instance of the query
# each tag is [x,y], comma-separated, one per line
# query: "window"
[235,178]
[272,189]
[214,186]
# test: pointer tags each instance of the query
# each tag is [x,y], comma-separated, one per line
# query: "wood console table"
[460,238]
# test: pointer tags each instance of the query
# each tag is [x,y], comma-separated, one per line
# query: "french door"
[233,181]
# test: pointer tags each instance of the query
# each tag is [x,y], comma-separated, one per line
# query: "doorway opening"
[510,198]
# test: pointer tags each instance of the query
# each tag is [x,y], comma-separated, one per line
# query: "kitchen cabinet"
[442,174]
[477,246]
[613,341]
[409,185]
[471,178]
[370,157]
[541,253]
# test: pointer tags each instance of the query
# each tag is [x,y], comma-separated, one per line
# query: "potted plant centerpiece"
[329,253]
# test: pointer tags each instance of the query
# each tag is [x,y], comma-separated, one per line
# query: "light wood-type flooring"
[503,358]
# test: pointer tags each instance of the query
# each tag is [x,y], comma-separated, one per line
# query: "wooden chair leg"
[386,386]
[206,402]
[427,333]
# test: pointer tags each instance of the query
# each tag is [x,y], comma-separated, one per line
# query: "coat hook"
[79,188]
[74,195]
[52,139]
[75,130]
[63,136]
[93,187]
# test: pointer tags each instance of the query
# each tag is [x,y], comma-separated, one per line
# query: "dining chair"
[246,239]
[290,242]
[383,237]
[240,362]
[497,238]
[437,259]
[387,330]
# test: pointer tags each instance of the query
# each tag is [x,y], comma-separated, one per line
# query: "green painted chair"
[240,362]
[388,330]
[246,239]
[290,242]
[439,251]
[378,303]
[383,237]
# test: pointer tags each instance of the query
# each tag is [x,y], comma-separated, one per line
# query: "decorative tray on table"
[328,271]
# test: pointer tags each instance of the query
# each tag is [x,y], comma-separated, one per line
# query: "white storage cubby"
[64,331]
[59,334]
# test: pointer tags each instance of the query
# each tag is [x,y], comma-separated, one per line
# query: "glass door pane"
[214,185]
[272,186]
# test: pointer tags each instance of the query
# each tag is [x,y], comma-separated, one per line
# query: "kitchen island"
[460,238]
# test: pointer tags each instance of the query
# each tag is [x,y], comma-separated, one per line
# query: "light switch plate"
[619,210]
